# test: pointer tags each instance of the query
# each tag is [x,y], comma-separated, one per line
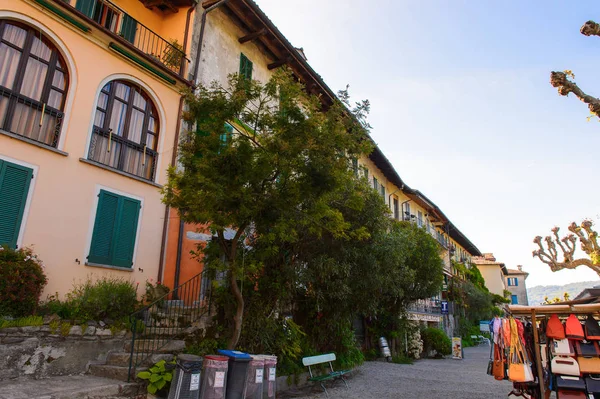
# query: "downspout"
[194,79]
[163,244]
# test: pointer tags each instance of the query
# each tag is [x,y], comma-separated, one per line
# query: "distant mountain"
[537,294]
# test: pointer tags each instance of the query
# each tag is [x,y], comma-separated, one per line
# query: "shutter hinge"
[32,176]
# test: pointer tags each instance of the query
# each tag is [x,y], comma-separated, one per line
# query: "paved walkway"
[425,379]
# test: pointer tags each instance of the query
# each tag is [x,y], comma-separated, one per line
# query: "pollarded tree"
[261,164]
[563,81]
[588,238]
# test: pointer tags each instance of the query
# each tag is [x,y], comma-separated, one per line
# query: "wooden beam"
[279,63]
[209,3]
[252,36]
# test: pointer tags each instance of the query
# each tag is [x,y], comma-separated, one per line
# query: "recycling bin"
[236,374]
[214,377]
[270,375]
[186,382]
[255,377]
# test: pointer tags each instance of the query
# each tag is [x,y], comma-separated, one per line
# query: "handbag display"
[570,382]
[554,328]
[587,348]
[592,329]
[593,384]
[573,328]
[571,395]
[562,347]
[589,365]
[564,366]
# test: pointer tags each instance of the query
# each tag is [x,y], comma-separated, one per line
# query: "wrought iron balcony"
[111,19]
[425,306]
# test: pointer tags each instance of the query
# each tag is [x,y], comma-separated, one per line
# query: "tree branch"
[566,86]
[590,28]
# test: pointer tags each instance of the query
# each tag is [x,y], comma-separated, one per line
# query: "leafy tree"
[262,165]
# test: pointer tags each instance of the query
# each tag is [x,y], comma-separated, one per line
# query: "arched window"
[125,134]
[33,83]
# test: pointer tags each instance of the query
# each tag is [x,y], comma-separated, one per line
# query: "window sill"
[33,142]
[99,165]
[122,269]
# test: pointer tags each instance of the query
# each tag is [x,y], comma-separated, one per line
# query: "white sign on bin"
[259,376]
[271,373]
[219,379]
[195,382]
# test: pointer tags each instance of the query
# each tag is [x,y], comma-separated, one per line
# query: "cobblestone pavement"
[425,379]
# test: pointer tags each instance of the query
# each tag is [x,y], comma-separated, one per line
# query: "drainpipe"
[176,143]
[163,244]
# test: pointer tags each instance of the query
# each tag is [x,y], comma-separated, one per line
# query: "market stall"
[548,348]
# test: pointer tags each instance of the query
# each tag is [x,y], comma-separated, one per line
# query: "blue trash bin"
[237,373]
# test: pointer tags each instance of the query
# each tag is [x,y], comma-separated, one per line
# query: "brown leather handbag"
[589,365]
[498,369]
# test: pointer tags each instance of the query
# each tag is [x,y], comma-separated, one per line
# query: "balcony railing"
[425,306]
[113,20]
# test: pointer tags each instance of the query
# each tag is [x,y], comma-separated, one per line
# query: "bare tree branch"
[565,86]
[590,28]
[589,244]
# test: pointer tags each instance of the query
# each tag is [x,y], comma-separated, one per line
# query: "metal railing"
[28,118]
[114,19]
[425,306]
[162,321]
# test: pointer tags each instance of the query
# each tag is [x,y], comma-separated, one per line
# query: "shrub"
[401,359]
[22,322]
[22,280]
[106,298]
[437,340]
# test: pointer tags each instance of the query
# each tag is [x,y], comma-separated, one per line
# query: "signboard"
[444,305]
[484,326]
[424,317]
[457,348]
[195,382]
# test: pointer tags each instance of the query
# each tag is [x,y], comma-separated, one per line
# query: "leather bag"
[554,328]
[589,365]
[498,368]
[518,369]
[563,365]
[588,348]
[593,384]
[573,328]
[570,382]
[562,347]
[592,329]
[571,395]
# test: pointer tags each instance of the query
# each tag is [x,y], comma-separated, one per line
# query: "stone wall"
[55,349]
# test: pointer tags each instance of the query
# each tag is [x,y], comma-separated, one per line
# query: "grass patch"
[22,322]
[401,359]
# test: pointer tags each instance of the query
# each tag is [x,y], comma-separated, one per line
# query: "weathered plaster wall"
[43,351]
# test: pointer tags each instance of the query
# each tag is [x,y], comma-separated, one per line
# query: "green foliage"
[173,55]
[437,340]
[159,376]
[22,280]
[108,298]
[22,322]
[402,359]
[155,291]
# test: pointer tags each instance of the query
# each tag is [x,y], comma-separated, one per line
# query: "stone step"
[69,387]
[122,358]
[112,372]
[157,345]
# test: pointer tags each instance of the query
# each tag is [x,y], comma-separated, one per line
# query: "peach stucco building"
[89,113]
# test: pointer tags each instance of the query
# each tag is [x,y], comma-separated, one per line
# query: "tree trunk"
[239,313]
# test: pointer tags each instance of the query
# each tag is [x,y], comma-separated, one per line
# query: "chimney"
[520,267]
[489,256]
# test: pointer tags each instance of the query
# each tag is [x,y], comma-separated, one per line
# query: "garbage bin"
[186,382]
[236,374]
[270,375]
[255,377]
[214,377]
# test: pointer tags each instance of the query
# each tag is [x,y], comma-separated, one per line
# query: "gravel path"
[425,379]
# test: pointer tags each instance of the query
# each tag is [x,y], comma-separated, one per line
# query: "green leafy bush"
[22,280]
[158,376]
[401,359]
[22,322]
[437,340]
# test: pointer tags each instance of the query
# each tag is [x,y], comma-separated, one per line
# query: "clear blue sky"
[462,106]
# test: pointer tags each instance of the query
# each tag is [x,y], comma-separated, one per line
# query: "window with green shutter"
[14,187]
[86,7]
[115,229]
[245,67]
[129,28]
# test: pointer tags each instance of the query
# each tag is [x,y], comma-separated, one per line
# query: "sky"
[462,106]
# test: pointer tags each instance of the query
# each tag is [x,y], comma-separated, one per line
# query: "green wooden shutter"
[245,67]
[86,7]
[104,228]
[14,187]
[125,232]
[128,28]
